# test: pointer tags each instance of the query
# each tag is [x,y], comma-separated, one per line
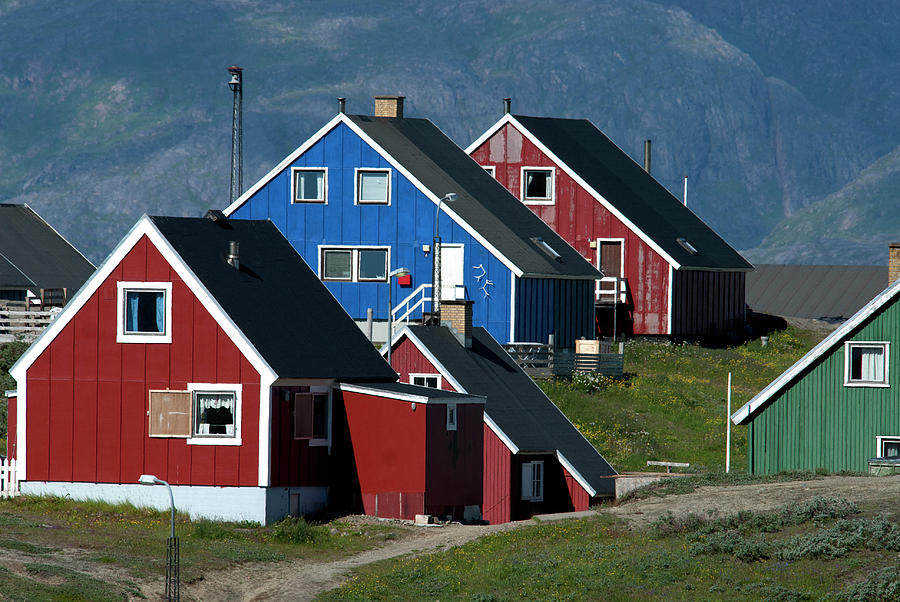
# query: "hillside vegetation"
[670,405]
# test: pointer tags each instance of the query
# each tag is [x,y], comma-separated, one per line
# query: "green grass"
[749,556]
[132,540]
[670,405]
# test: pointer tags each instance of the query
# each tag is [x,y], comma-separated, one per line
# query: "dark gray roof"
[436,395]
[634,193]
[275,299]
[442,167]
[34,255]
[514,402]
[822,292]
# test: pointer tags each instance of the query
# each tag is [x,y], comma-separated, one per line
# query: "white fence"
[9,484]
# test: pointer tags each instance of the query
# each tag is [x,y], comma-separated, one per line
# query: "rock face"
[108,113]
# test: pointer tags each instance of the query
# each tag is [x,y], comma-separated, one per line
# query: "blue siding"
[563,308]
[405,225]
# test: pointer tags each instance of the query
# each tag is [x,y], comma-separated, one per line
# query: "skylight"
[546,248]
[687,246]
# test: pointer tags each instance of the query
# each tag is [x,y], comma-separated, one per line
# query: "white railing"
[28,324]
[611,289]
[9,483]
[414,301]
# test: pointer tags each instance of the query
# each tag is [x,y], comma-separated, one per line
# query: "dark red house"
[206,352]
[535,460]
[665,271]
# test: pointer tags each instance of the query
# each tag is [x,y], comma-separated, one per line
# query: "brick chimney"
[893,262]
[459,314]
[389,106]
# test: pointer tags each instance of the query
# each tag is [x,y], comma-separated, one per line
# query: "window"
[214,413]
[491,170]
[533,481]
[888,447]
[145,312]
[426,380]
[354,264]
[866,364]
[205,414]
[310,415]
[537,185]
[373,186]
[451,416]
[309,185]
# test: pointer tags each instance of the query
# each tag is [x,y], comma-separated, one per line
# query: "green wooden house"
[839,405]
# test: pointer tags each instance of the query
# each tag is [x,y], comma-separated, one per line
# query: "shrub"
[883,584]
[744,548]
[295,529]
[845,535]
[207,529]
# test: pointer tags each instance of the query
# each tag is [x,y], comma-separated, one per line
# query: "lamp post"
[172,557]
[393,274]
[436,259]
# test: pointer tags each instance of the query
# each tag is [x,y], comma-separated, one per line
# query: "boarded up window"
[170,413]
[310,416]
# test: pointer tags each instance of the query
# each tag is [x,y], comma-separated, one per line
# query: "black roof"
[33,255]
[822,292]
[634,193]
[514,402]
[442,167]
[282,308]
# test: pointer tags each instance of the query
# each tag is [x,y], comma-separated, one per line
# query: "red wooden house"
[665,271]
[206,352]
[535,460]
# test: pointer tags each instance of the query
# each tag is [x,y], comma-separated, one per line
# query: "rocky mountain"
[113,109]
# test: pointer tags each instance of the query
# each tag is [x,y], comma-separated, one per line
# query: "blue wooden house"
[361,198]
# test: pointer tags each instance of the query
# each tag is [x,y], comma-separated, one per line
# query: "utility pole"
[237,133]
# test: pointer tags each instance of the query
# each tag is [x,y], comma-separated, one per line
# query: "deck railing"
[15,322]
[611,290]
[414,302]
[542,361]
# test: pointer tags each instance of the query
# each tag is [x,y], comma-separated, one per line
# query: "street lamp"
[172,557]
[391,276]
[436,259]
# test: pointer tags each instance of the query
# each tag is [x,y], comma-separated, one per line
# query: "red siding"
[387,438]
[579,218]
[406,359]
[496,505]
[580,498]
[294,462]
[453,470]
[87,394]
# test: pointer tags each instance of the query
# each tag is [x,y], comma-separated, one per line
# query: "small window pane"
[145,312]
[867,364]
[537,184]
[373,187]
[320,417]
[337,264]
[372,264]
[214,414]
[890,449]
[309,185]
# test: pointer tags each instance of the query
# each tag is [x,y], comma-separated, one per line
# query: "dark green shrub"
[882,585]
[295,529]
[207,529]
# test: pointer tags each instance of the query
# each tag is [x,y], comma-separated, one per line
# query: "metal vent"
[546,248]
[687,246]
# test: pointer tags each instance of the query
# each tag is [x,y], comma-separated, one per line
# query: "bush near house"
[9,353]
[670,405]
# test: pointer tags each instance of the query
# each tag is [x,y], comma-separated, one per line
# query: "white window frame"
[236,389]
[491,169]
[848,346]
[354,262]
[452,416]
[357,174]
[880,440]
[295,200]
[529,468]
[414,375]
[124,287]
[551,200]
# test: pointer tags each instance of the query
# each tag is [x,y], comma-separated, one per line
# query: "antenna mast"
[237,133]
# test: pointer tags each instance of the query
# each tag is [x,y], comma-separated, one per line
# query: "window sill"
[214,441]
[539,201]
[143,338]
[868,385]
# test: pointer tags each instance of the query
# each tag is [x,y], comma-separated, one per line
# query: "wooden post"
[728,428]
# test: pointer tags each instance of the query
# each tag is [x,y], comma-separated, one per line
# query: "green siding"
[817,422]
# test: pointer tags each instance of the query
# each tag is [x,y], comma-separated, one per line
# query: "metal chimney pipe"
[233,255]
[342,104]
[647,155]
[507,105]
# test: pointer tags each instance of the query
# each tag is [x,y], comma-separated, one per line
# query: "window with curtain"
[309,185]
[145,312]
[866,364]
[373,187]
[214,413]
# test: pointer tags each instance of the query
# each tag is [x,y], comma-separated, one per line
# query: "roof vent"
[233,255]
[647,146]
[507,105]
[342,104]
[389,106]
[687,246]
[546,248]
[215,215]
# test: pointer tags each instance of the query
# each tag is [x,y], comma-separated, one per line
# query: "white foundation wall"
[263,505]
